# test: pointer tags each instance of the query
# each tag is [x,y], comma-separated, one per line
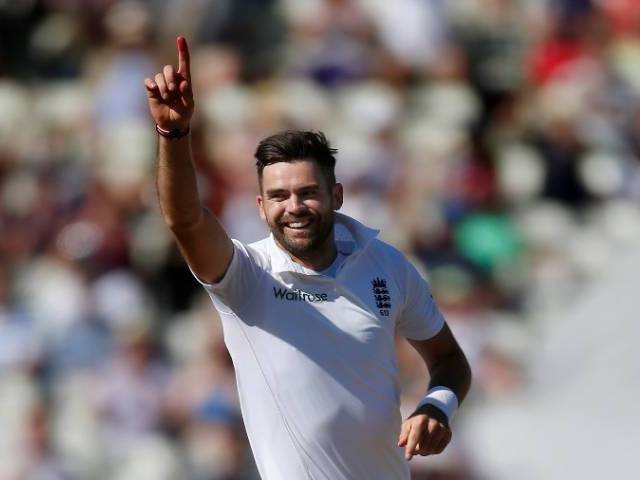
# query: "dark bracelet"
[173,134]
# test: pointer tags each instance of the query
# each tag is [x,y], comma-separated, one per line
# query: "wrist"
[432,412]
[442,398]
[173,133]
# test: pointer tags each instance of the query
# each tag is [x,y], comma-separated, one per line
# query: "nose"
[295,205]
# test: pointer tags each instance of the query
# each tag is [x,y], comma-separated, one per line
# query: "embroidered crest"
[381,295]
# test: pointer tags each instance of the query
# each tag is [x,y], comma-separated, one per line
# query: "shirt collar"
[351,237]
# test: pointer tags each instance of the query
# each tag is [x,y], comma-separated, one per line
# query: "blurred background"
[496,142]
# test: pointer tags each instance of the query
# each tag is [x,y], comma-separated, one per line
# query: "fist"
[169,93]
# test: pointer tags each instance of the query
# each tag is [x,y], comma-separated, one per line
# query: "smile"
[298,225]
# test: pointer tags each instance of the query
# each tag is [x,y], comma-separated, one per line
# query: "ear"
[260,204]
[338,195]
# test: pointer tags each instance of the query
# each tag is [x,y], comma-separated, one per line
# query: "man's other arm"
[427,430]
[202,240]
[447,364]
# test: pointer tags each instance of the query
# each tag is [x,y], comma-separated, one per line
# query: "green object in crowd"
[488,240]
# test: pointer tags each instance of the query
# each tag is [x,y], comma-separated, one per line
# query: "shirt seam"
[261,272]
[406,305]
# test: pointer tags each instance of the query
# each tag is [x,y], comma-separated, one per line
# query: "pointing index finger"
[184,67]
[412,441]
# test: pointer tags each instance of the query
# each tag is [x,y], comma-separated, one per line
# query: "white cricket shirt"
[315,356]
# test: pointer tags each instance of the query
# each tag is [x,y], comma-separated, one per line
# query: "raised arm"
[203,242]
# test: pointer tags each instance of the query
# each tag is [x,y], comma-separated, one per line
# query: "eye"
[277,196]
[309,193]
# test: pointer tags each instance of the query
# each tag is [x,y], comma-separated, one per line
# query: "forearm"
[446,362]
[453,372]
[177,185]
[201,239]
[448,367]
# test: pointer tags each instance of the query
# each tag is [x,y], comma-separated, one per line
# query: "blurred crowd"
[496,142]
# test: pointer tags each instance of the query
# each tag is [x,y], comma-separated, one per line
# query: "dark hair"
[296,145]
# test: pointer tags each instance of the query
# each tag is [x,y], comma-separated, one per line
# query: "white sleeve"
[420,317]
[231,292]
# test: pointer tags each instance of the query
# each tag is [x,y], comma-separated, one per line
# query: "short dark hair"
[296,145]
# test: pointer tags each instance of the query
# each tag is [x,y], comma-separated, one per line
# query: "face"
[298,206]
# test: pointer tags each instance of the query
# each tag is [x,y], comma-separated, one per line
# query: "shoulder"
[390,255]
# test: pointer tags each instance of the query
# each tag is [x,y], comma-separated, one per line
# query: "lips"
[298,225]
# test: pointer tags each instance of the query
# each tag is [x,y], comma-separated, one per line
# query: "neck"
[320,258]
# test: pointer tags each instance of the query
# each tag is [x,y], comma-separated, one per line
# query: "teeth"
[298,225]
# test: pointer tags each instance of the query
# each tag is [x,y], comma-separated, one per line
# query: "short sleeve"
[420,318]
[238,282]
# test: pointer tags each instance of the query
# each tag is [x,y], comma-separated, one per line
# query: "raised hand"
[170,94]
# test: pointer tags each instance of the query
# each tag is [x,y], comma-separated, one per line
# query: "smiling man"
[299,195]
[310,313]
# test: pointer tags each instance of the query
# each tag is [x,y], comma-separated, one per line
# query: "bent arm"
[447,364]
[427,430]
[201,238]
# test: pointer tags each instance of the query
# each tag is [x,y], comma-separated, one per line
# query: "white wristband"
[442,398]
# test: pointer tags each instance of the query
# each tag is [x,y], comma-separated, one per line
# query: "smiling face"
[298,206]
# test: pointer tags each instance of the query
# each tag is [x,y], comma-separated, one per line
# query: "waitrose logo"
[298,295]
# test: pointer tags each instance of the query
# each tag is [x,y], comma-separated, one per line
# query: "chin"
[298,246]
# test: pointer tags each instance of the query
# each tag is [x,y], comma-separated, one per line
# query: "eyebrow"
[275,191]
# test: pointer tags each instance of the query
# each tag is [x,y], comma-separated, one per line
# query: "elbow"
[182,224]
[468,374]
[463,373]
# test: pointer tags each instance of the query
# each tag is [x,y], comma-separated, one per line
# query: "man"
[310,313]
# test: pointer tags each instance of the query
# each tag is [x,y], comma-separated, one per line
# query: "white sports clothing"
[315,356]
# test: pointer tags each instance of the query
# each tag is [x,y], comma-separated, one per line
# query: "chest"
[359,305]
[317,330]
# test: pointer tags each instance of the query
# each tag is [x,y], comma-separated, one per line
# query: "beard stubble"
[322,229]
